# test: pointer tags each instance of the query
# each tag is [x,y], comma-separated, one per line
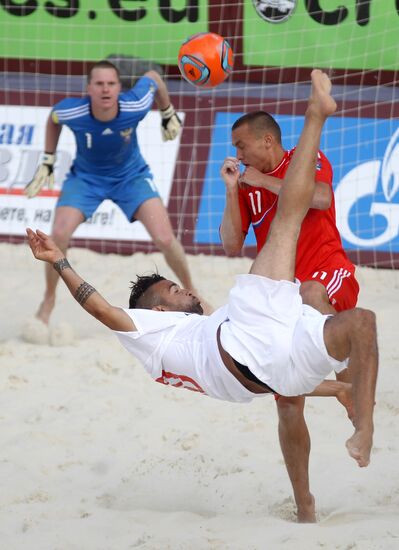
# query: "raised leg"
[276,260]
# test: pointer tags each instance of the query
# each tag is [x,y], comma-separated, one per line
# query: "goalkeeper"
[109,164]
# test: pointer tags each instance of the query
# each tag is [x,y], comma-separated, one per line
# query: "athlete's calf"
[353,334]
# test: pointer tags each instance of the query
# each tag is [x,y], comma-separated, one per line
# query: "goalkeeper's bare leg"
[67,219]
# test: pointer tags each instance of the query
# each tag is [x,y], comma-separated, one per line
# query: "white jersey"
[264,326]
[181,349]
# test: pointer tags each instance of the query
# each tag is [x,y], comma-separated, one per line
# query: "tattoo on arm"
[60,265]
[83,292]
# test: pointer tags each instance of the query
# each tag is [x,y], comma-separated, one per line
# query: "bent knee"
[363,317]
[289,407]
[164,242]
[314,294]
[346,327]
[61,236]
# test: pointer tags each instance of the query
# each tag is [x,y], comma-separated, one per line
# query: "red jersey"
[319,245]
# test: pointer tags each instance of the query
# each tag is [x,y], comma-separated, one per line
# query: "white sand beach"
[96,456]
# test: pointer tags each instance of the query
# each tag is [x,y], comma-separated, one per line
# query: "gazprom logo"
[368,203]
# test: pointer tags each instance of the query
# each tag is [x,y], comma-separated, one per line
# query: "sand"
[96,456]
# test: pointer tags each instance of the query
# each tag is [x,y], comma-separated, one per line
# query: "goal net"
[47,47]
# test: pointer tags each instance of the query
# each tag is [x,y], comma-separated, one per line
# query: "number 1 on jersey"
[89,140]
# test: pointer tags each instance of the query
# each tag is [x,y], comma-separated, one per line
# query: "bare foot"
[45,310]
[306,512]
[321,103]
[359,447]
[344,396]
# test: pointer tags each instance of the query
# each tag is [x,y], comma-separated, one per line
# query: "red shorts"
[341,286]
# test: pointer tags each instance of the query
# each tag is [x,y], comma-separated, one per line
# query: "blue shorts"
[87,191]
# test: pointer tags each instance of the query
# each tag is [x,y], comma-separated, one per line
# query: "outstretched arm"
[162,95]
[171,123]
[44,248]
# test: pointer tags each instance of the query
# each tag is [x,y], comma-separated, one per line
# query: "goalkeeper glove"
[44,174]
[171,123]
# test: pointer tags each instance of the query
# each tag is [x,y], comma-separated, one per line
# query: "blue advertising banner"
[364,154]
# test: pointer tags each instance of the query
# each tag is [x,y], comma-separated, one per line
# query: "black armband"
[83,291]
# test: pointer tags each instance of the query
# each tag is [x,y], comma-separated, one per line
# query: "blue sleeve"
[56,109]
[140,98]
[141,89]
[69,109]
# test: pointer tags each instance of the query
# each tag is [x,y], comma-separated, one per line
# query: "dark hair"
[103,64]
[140,295]
[260,122]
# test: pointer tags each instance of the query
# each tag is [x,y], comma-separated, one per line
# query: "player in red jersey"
[327,275]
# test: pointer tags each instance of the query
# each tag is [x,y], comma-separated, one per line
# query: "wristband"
[48,158]
[168,112]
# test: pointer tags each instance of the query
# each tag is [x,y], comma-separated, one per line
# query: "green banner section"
[92,29]
[341,34]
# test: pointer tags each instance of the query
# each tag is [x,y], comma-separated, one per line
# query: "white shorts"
[278,338]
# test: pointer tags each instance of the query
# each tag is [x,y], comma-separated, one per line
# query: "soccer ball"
[205,59]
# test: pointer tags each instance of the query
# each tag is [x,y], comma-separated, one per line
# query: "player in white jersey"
[264,339]
[109,164]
